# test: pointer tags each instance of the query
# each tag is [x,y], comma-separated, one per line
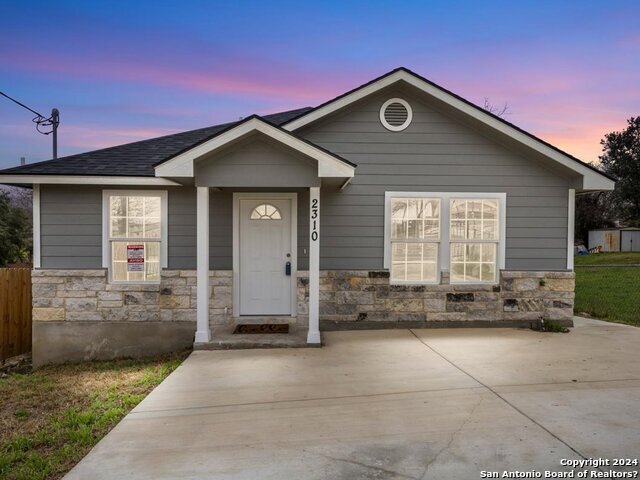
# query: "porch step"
[223,338]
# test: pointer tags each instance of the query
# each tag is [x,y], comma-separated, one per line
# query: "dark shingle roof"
[137,158]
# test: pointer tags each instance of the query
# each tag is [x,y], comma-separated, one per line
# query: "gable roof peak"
[593,176]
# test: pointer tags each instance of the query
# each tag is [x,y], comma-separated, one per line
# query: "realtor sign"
[135,258]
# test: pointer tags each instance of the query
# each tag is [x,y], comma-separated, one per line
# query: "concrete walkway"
[422,404]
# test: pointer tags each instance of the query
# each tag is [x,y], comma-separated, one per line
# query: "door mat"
[262,328]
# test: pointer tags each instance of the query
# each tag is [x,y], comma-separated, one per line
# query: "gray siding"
[71,226]
[182,228]
[436,154]
[256,164]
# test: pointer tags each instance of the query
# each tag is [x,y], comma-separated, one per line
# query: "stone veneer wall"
[346,297]
[85,295]
[353,299]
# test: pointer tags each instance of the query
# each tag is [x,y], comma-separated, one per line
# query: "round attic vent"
[395,114]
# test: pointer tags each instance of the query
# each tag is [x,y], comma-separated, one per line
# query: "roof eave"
[27,179]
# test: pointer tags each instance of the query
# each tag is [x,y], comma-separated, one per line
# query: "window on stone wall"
[136,227]
[469,243]
[415,235]
[474,239]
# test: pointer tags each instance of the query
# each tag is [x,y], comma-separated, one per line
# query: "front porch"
[265,170]
[262,287]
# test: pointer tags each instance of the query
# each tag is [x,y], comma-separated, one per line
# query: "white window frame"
[164,229]
[388,241]
[445,223]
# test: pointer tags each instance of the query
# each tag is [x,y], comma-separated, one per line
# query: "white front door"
[265,249]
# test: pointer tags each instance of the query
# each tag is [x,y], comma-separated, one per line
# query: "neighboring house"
[396,204]
[615,239]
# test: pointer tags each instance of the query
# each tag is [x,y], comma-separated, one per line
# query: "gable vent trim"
[396,114]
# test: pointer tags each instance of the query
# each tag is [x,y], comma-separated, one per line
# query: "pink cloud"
[302,84]
[80,138]
[569,107]
[631,40]
[565,105]
[92,137]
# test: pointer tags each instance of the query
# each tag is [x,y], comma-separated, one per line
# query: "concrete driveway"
[432,404]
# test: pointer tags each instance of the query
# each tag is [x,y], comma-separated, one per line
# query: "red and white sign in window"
[135,258]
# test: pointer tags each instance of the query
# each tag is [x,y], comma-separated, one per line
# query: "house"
[615,239]
[397,203]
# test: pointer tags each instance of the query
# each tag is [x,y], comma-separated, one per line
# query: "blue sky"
[125,71]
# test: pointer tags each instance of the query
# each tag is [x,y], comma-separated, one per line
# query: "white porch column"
[314,265]
[203,332]
[571,217]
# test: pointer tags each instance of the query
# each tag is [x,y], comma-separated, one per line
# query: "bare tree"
[18,197]
[497,111]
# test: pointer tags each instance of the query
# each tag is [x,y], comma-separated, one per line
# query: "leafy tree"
[621,160]
[15,233]
[593,211]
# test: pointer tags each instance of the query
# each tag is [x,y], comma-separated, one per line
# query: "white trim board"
[444,241]
[86,180]
[36,226]
[571,218]
[183,165]
[237,196]
[592,180]
[164,225]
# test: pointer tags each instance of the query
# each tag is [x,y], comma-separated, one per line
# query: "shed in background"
[615,239]
[630,240]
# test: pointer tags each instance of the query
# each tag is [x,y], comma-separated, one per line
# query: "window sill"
[441,284]
[133,286]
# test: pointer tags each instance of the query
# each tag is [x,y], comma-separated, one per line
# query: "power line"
[21,104]
[42,122]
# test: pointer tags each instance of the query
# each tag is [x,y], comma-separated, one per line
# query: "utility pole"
[55,121]
[42,122]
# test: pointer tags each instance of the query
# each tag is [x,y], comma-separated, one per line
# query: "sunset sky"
[126,71]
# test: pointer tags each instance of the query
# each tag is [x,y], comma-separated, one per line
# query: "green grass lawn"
[53,416]
[609,293]
[624,258]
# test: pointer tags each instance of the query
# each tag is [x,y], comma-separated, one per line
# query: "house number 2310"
[314,219]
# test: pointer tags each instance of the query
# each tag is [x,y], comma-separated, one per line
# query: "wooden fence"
[15,312]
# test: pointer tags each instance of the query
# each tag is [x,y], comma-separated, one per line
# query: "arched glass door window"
[265,211]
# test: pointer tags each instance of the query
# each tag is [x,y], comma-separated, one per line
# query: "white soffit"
[182,164]
[592,180]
